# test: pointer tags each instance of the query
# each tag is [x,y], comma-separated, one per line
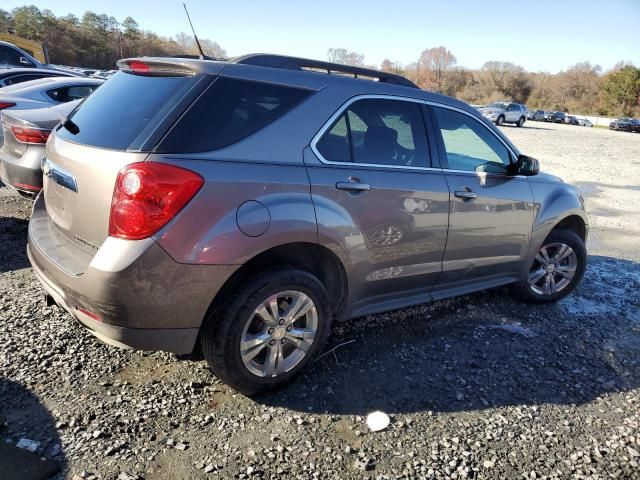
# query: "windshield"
[497,105]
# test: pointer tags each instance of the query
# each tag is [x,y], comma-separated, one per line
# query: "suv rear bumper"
[149,303]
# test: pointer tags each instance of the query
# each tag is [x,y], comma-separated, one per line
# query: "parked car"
[554,117]
[584,122]
[46,92]
[502,112]
[247,204]
[570,120]
[11,76]
[535,115]
[25,135]
[12,56]
[625,125]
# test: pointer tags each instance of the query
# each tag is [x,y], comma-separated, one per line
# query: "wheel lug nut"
[272,343]
[289,328]
[281,322]
[284,340]
[270,331]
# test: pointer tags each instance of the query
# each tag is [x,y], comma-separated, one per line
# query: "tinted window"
[70,93]
[123,112]
[334,145]
[9,56]
[469,145]
[229,111]
[378,132]
[24,78]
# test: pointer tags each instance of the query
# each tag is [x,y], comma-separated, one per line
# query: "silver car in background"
[25,134]
[46,92]
[503,112]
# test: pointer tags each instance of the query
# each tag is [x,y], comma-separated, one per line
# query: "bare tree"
[509,79]
[345,57]
[187,45]
[432,67]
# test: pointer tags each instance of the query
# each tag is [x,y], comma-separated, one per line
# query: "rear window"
[228,111]
[124,111]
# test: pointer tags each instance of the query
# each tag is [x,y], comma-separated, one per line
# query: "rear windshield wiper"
[71,127]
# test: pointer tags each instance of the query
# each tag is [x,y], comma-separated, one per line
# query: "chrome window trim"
[316,138]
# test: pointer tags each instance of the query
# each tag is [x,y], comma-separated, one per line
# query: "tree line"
[96,40]
[99,40]
[581,89]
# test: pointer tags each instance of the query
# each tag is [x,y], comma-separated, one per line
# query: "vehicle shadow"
[480,351]
[24,420]
[13,250]
[527,125]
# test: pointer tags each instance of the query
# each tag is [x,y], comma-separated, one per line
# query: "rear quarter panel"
[207,232]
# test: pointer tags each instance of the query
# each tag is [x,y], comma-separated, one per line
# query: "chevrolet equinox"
[244,205]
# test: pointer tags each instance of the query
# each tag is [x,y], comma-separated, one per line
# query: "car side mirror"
[525,165]
[25,61]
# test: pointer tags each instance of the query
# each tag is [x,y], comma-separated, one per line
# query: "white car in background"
[583,122]
[46,92]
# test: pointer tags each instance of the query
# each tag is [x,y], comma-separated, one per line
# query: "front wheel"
[268,330]
[557,269]
[500,120]
[520,122]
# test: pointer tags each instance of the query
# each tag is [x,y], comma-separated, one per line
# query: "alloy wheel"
[279,333]
[554,267]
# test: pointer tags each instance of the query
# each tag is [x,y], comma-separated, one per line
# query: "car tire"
[236,321]
[500,120]
[520,122]
[533,289]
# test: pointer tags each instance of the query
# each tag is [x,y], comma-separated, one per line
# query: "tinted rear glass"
[123,112]
[229,111]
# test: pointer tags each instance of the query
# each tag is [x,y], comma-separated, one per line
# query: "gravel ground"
[476,387]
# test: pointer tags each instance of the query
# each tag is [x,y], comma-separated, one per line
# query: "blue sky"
[543,35]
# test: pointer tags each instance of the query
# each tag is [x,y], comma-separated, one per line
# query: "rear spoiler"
[155,67]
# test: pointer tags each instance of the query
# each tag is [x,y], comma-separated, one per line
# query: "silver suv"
[243,206]
[503,112]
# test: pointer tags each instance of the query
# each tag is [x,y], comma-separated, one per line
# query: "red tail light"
[138,67]
[6,105]
[147,195]
[30,135]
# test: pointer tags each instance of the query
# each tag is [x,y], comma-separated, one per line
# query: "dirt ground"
[477,387]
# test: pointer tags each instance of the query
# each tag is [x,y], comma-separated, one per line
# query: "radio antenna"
[202,55]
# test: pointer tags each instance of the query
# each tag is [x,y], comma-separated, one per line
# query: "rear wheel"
[500,120]
[520,122]
[556,270]
[266,333]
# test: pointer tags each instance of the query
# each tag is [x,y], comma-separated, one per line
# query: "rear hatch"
[118,124]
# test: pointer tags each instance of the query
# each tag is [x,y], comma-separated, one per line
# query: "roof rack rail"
[295,63]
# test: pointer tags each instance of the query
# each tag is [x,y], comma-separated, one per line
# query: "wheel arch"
[314,258]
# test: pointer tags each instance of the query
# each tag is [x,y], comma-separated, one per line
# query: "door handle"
[465,194]
[353,184]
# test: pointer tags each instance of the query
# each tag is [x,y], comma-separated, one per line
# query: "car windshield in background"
[497,105]
[123,112]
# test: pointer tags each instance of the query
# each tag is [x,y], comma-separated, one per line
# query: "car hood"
[491,110]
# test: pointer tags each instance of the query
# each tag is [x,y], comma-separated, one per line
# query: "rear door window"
[378,132]
[124,111]
[230,110]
